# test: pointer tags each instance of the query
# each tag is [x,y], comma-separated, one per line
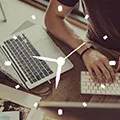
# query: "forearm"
[61,30]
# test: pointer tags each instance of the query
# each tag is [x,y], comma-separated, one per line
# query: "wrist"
[86,52]
[85,48]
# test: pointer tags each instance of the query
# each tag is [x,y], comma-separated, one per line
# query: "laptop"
[19,49]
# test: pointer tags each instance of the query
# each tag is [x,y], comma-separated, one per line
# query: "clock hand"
[57,79]
[75,50]
[60,62]
[45,58]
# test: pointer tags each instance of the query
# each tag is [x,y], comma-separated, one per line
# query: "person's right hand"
[98,66]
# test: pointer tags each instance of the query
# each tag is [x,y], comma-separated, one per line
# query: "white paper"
[9,115]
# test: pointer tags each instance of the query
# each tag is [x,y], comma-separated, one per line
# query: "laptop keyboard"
[22,51]
[89,87]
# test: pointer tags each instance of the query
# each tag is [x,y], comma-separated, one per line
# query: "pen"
[3,13]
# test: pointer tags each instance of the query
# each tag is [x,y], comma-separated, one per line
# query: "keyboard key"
[50,72]
[45,72]
[42,75]
[38,77]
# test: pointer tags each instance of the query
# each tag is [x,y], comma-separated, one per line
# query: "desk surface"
[69,87]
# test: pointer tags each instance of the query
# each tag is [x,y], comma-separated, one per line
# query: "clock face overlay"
[60,61]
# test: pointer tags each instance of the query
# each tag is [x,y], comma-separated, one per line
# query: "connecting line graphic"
[60,61]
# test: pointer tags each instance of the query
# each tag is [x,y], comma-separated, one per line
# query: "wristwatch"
[85,47]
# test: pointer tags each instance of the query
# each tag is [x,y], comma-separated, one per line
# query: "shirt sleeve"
[70,3]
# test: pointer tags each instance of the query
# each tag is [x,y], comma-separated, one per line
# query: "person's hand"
[98,67]
[118,67]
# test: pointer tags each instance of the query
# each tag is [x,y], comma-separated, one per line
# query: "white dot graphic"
[60,8]
[84,104]
[7,63]
[60,111]
[33,17]
[17,86]
[112,62]
[35,105]
[14,37]
[103,86]
[60,61]
[105,37]
[86,17]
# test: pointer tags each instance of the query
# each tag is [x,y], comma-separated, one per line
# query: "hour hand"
[60,62]
[58,76]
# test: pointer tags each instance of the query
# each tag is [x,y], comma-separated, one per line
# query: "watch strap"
[85,47]
[86,50]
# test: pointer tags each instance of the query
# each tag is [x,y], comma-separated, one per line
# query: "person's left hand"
[118,67]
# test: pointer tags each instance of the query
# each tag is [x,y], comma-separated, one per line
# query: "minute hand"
[75,50]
